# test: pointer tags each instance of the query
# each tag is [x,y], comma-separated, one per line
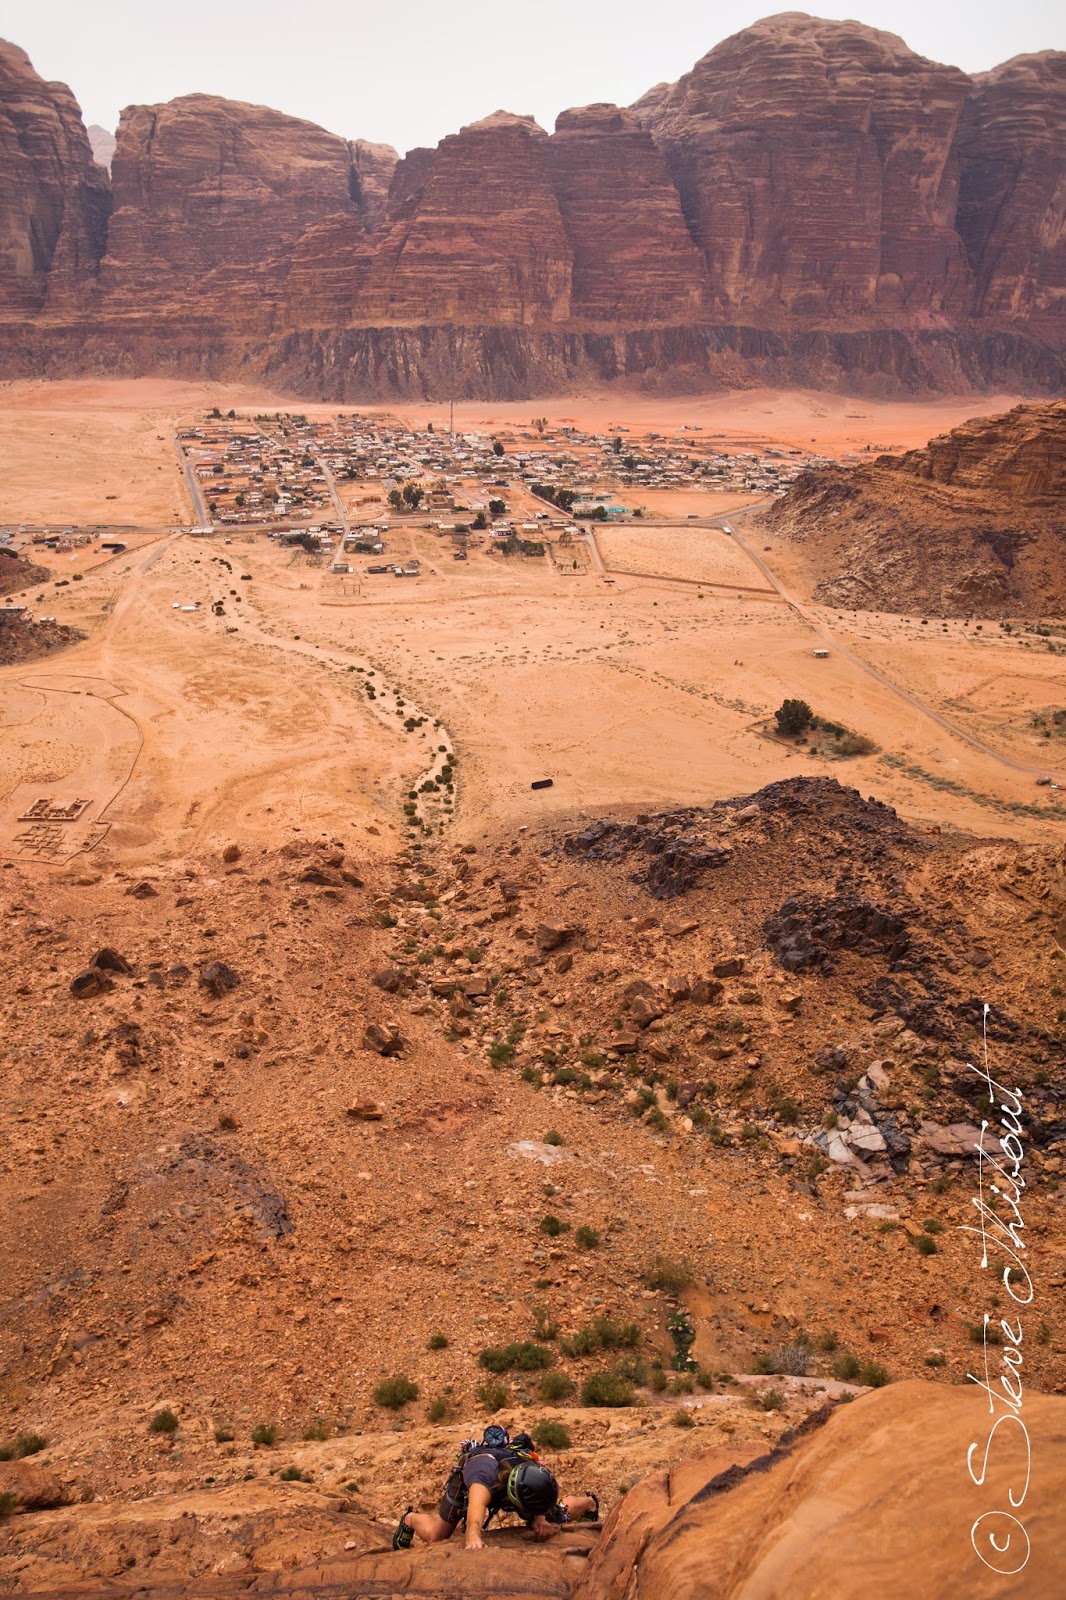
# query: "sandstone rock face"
[815,162]
[633,256]
[474,233]
[211,196]
[54,199]
[1012,197]
[813,204]
[974,522]
[876,1501]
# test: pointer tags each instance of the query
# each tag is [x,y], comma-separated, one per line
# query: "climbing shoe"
[403,1538]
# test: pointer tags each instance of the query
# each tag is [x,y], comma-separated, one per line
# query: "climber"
[492,1475]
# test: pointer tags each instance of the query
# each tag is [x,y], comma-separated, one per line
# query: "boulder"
[108,960]
[88,982]
[383,1038]
[366,1111]
[31,1487]
[387,978]
[218,979]
[551,936]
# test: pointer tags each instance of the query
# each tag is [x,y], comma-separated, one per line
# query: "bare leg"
[579,1505]
[429,1526]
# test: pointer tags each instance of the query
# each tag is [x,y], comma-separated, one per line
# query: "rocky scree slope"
[973,523]
[812,203]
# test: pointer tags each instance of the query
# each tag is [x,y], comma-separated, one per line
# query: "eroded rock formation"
[974,522]
[813,204]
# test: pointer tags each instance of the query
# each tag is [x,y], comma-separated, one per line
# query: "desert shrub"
[552,1435]
[8,1504]
[769,1400]
[606,1389]
[874,1375]
[523,1356]
[683,1419]
[853,744]
[29,1444]
[316,1432]
[437,1341]
[543,1327]
[224,1435]
[264,1433]
[602,1333]
[683,1383]
[552,1137]
[294,1475]
[794,1360]
[163,1422]
[586,1237]
[395,1393]
[924,1245]
[828,1341]
[669,1277]
[846,1367]
[657,1380]
[555,1386]
[552,1226]
[493,1396]
[933,1225]
[437,1410]
[501,1054]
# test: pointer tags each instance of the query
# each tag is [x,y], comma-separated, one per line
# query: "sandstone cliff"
[53,197]
[1012,198]
[476,234]
[812,204]
[634,260]
[102,143]
[973,523]
[816,165]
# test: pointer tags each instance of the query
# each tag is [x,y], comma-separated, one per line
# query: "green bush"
[8,1504]
[437,1410]
[683,1419]
[523,1356]
[602,1333]
[316,1432]
[793,1359]
[769,1400]
[555,1387]
[437,1341]
[924,1245]
[933,1225]
[586,1237]
[264,1433]
[846,1367]
[552,1137]
[552,1435]
[294,1475]
[163,1422]
[552,1226]
[493,1396]
[395,1393]
[874,1375]
[606,1389]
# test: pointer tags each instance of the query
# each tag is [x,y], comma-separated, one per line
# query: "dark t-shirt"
[482,1468]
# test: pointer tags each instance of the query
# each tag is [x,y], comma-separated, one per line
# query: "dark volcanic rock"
[808,931]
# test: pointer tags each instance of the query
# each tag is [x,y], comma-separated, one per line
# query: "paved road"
[334,496]
[824,633]
[198,503]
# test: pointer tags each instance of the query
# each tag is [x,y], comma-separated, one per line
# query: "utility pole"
[451,417]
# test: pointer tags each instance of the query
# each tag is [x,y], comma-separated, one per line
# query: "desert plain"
[373,1062]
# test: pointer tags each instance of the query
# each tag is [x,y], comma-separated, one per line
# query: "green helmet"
[532,1489]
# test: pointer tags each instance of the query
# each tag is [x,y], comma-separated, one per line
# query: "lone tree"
[497,448]
[793,717]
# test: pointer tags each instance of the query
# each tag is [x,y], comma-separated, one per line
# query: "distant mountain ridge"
[812,203]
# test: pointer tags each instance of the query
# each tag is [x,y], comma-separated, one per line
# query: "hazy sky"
[409,73]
